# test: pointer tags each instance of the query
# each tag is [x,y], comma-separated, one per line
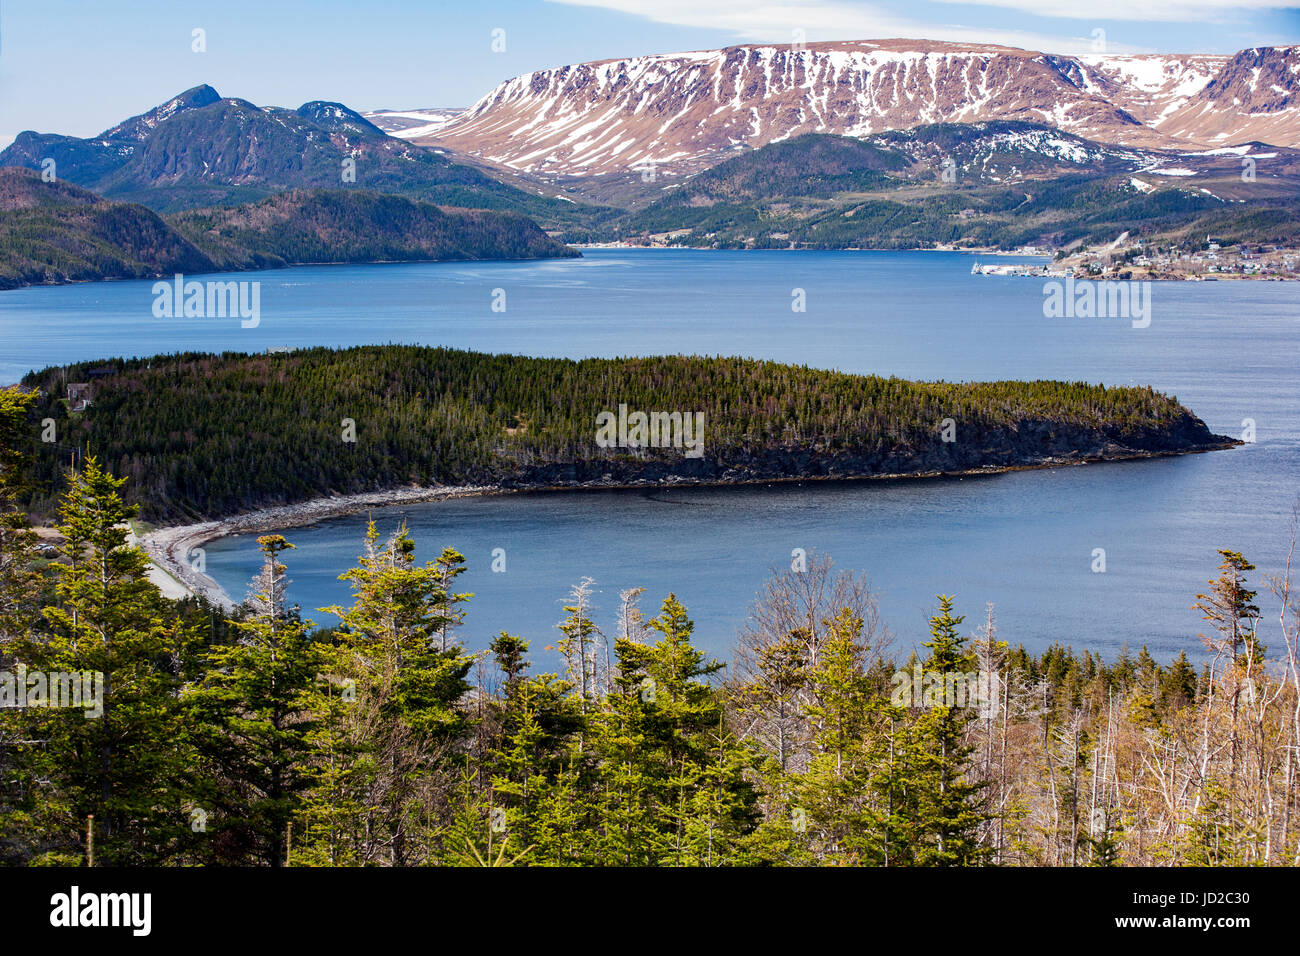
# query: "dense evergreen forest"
[380,740]
[208,435]
[57,233]
[334,225]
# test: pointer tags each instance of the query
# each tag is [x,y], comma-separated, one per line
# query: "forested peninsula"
[205,436]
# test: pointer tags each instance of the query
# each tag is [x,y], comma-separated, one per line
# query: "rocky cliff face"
[687,111]
[1031,443]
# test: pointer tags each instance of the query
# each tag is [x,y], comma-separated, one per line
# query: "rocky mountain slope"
[684,112]
[199,149]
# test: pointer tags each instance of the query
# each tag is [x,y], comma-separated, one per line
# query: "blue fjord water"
[1024,541]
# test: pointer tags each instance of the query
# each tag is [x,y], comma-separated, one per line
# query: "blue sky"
[79,66]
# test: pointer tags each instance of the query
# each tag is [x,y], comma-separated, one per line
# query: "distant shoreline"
[965,250]
[1048,258]
[282,268]
[170,547]
[579,246]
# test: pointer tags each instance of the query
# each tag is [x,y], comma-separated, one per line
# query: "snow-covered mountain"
[687,111]
[1253,97]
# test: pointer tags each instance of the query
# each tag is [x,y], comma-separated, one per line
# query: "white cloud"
[1165,11]
[776,20]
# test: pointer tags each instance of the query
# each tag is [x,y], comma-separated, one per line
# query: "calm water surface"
[1228,350]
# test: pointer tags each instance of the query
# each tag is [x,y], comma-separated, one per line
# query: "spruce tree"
[675,787]
[124,765]
[947,803]
[834,788]
[22,588]
[255,712]
[391,693]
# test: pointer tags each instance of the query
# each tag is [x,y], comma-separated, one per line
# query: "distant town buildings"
[1218,259]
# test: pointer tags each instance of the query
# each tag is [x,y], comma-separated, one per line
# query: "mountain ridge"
[687,111]
[199,149]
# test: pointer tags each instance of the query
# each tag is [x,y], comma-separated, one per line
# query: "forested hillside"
[51,232]
[209,435]
[1002,185]
[324,225]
